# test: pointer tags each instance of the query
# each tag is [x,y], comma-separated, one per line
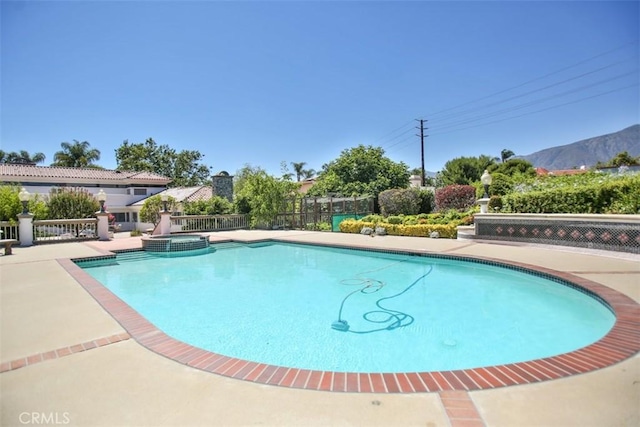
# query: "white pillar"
[484,205]
[103,225]
[164,228]
[25,229]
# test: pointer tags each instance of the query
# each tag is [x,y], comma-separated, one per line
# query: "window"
[139,191]
[134,216]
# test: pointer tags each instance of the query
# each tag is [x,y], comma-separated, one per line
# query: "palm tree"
[76,155]
[22,157]
[299,169]
[308,173]
[506,155]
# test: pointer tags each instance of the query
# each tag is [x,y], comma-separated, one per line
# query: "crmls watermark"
[44,418]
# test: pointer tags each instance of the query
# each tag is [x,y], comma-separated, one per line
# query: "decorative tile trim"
[587,233]
[622,342]
[61,352]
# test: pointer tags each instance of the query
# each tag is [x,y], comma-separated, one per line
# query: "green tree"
[11,207]
[623,159]
[464,170]
[513,167]
[76,155]
[71,203]
[506,155]
[183,167]
[214,206]
[22,157]
[152,206]
[261,195]
[361,170]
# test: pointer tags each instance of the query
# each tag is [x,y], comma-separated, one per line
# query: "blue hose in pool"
[399,318]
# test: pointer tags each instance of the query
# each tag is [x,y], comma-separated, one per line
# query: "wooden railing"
[189,223]
[65,230]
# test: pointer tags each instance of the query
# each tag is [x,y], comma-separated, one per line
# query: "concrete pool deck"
[46,317]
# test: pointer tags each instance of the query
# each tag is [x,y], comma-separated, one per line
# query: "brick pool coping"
[620,343]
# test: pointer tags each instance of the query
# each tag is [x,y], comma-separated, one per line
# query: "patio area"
[65,360]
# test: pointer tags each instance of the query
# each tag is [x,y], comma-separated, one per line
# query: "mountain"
[588,152]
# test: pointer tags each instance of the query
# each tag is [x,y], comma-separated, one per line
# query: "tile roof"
[543,171]
[204,193]
[184,194]
[62,173]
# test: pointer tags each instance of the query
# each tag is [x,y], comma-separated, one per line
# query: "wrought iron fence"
[65,230]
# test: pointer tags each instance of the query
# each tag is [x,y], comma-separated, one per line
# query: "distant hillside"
[588,152]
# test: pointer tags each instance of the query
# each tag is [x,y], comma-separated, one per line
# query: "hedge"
[606,197]
[446,231]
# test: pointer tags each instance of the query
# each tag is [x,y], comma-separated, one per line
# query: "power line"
[536,101]
[386,138]
[536,90]
[531,112]
[545,109]
[538,78]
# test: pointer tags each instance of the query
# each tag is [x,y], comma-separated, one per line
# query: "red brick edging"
[61,352]
[622,342]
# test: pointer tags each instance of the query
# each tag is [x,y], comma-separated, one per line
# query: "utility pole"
[422,136]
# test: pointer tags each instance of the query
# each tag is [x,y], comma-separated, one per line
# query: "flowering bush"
[419,230]
[460,197]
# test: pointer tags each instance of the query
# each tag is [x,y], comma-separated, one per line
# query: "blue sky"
[299,81]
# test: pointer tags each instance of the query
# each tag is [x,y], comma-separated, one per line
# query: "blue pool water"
[279,303]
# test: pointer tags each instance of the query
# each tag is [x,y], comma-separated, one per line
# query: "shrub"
[608,195]
[410,220]
[427,201]
[394,220]
[136,233]
[373,218]
[150,211]
[214,206]
[460,197]
[11,207]
[70,203]
[495,204]
[399,201]
[501,184]
[419,230]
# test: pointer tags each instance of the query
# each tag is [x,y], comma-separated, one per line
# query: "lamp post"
[165,198]
[24,196]
[102,197]
[486,182]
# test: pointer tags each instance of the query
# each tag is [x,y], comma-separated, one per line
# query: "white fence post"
[103,225]
[164,227]
[25,230]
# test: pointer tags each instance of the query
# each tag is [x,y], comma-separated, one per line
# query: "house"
[123,188]
[619,169]
[182,195]
[542,171]
[306,185]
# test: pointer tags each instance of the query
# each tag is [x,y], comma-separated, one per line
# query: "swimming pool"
[276,304]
